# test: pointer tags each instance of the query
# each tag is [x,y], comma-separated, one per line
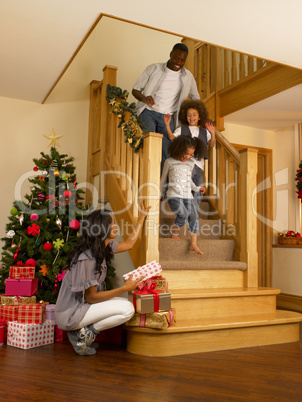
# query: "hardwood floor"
[55,372]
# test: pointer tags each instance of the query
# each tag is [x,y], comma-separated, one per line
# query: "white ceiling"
[39,37]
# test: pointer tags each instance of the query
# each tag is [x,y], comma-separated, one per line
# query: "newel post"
[248,218]
[149,192]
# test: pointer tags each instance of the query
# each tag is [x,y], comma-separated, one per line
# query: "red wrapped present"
[17,272]
[16,300]
[60,334]
[9,313]
[27,336]
[31,313]
[21,287]
[147,271]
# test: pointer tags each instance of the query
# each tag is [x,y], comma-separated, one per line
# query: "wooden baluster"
[135,178]
[226,69]
[129,192]
[222,181]
[234,67]
[242,66]
[208,71]
[250,65]
[118,140]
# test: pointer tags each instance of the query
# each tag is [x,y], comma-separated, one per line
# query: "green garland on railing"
[131,124]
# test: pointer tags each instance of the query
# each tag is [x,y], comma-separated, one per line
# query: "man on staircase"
[160,89]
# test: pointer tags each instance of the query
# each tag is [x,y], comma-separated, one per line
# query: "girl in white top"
[193,116]
[177,176]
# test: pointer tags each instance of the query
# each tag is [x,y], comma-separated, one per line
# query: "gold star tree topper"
[53,139]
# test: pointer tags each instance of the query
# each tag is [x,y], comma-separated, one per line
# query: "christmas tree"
[42,230]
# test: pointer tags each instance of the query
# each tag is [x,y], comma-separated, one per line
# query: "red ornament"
[35,169]
[34,217]
[74,224]
[33,230]
[67,194]
[31,262]
[47,246]
[16,253]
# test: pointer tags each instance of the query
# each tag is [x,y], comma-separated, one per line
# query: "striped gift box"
[16,272]
[31,313]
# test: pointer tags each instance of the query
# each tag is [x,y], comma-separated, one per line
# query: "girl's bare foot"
[196,249]
[175,232]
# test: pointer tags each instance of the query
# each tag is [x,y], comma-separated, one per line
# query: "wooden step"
[196,304]
[215,334]
[211,275]
[213,250]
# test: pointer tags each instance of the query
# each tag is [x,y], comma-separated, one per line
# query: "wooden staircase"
[216,296]
[213,308]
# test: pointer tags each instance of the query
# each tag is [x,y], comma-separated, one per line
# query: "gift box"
[9,313]
[17,272]
[60,335]
[21,287]
[27,336]
[147,271]
[150,302]
[31,313]
[161,320]
[161,283]
[16,300]
[50,312]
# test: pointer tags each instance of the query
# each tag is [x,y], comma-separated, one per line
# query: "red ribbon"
[142,320]
[147,289]
[20,264]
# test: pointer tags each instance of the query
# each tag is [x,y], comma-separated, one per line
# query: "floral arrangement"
[131,124]
[299,181]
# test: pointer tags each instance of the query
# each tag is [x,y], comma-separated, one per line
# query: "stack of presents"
[25,323]
[151,299]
